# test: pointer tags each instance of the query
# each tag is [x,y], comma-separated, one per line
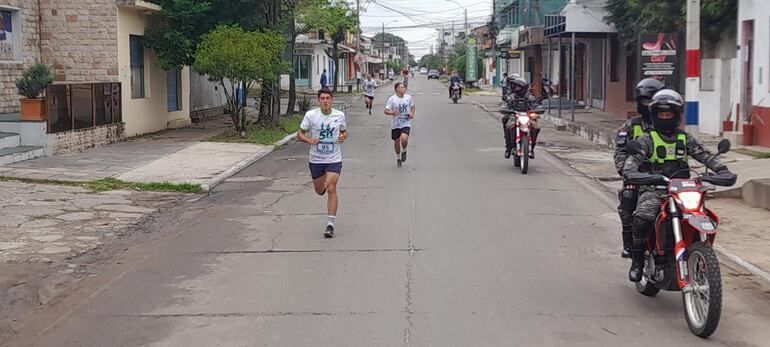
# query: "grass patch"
[260,134]
[754,154]
[106,184]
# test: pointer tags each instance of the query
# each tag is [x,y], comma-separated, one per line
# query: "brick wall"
[80,39]
[80,140]
[10,71]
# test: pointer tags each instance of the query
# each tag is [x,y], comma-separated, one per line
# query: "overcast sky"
[417,20]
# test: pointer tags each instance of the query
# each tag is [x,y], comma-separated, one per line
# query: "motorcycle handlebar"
[725,179]
[646,179]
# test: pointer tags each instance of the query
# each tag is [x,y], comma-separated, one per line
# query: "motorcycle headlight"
[524,120]
[690,200]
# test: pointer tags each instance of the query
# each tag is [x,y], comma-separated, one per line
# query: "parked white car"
[424,71]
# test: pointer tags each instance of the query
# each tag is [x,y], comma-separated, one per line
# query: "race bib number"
[326,147]
[401,121]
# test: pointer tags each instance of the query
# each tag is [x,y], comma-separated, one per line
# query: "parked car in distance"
[424,71]
[433,74]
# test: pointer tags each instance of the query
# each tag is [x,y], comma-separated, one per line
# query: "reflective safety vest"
[638,130]
[664,151]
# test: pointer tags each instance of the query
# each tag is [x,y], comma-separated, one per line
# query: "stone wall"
[80,140]
[77,38]
[11,70]
[80,40]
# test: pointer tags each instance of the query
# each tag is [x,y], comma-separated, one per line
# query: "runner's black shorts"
[396,133]
[371,98]
[318,170]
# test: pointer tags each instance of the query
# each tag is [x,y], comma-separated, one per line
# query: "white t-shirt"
[327,129]
[402,106]
[369,86]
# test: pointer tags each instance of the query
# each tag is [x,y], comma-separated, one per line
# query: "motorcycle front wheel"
[524,154]
[703,301]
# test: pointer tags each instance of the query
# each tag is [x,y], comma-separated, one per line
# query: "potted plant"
[727,124]
[31,84]
[748,131]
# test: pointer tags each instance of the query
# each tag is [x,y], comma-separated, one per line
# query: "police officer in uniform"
[668,149]
[518,99]
[632,130]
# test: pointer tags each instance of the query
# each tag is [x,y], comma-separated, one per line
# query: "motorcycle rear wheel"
[645,287]
[703,304]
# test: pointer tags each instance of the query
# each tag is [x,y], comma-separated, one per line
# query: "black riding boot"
[507,136]
[641,229]
[637,263]
[535,132]
[628,241]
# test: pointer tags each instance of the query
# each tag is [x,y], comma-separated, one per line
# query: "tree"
[184,22]
[431,62]
[335,17]
[230,55]
[635,17]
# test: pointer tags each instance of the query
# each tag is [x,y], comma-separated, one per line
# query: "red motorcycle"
[523,138]
[679,254]
[520,132]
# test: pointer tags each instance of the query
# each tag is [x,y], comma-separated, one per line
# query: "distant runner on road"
[325,129]
[401,107]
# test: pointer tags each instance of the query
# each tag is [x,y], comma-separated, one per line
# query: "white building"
[752,83]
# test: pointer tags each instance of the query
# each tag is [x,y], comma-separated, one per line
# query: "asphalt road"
[456,248]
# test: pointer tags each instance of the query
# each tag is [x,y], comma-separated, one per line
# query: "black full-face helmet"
[645,90]
[666,100]
[519,86]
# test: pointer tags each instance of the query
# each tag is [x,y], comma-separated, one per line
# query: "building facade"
[106,84]
[753,72]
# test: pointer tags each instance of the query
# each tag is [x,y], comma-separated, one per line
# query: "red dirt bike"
[520,133]
[679,254]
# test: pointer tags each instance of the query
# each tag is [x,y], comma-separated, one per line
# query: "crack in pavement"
[410,250]
[239,314]
[409,274]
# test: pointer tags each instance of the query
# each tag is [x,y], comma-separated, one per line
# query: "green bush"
[304,103]
[32,83]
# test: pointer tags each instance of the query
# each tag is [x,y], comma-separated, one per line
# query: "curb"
[479,105]
[610,143]
[598,136]
[238,167]
[744,264]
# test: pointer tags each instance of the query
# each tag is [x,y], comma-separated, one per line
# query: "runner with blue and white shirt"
[325,129]
[401,107]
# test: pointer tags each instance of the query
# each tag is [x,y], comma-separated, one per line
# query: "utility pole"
[358,41]
[382,50]
[493,34]
[692,85]
[465,28]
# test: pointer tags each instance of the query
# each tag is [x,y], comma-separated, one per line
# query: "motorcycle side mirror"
[724,146]
[635,148]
